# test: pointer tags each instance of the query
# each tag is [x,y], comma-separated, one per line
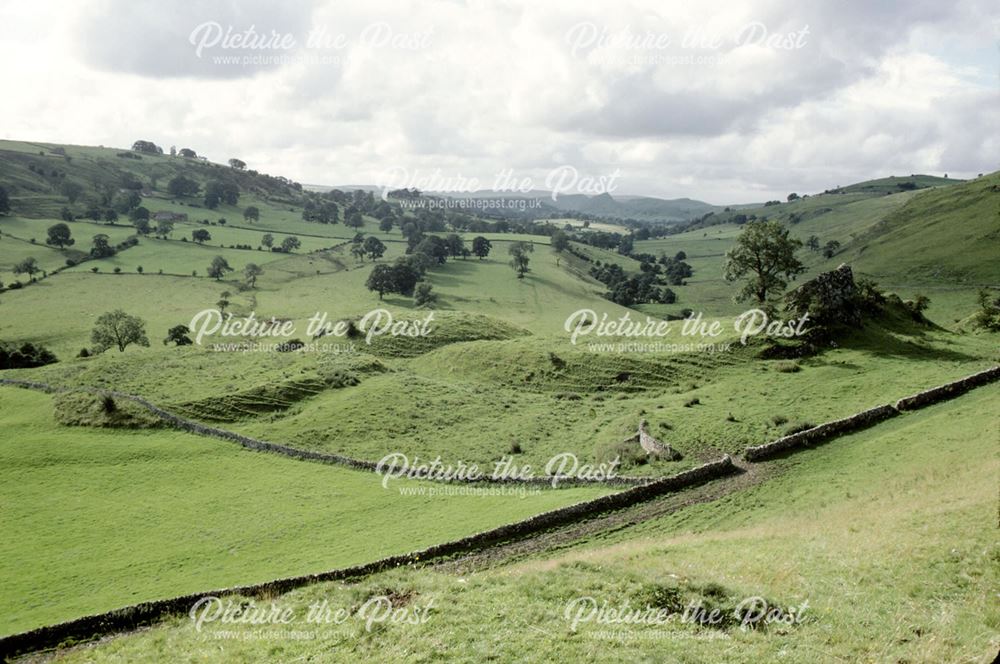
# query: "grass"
[886,533]
[145,515]
[95,517]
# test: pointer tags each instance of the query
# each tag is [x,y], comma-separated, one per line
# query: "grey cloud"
[153,39]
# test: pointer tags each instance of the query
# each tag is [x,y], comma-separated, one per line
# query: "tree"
[680,256]
[142,226]
[110,216]
[290,244]
[813,243]
[481,247]
[117,328]
[164,227]
[238,164]
[424,294]
[434,248]
[251,272]
[404,277]
[28,266]
[67,215]
[102,246]
[358,251]
[200,235]
[4,201]
[830,248]
[181,186]
[381,280]
[793,197]
[385,225]
[519,257]
[218,268]
[187,153]
[455,244]
[223,301]
[252,213]
[59,236]
[354,220]
[178,335]
[765,255]
[149,147]
[267,240]
[218,191]
[560,241]
[374,247]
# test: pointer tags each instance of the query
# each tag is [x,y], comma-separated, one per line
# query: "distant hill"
[950,234]
[41,177]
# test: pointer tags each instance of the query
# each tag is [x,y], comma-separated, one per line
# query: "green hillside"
[106,509]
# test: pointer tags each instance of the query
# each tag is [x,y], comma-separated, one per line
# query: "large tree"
[373,247]
[28,266]
[182,186]
[481,247]
[252,213]
[560,241]
[251,272]
[290,244]
[59,236]
[218,268]
[381,280]
[764,256]
[102,246]
[200,235]
[519,257]
[118,329]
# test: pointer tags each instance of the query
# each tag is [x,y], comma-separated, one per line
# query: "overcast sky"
[722,101]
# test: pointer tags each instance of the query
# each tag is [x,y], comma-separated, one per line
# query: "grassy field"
[883,531]
[885,537]
[146,515]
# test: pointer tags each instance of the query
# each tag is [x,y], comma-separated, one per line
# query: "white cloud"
[472,88]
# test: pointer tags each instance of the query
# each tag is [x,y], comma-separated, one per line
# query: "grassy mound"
[94,410]
[447,327]
[548,367]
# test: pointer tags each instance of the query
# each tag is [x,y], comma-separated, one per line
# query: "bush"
[515,448]
[787,367]
[692,402]
[83,353]
[778,420]
[25,356]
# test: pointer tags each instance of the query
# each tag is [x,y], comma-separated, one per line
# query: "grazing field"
[881,541]
[143,515]
[884,532]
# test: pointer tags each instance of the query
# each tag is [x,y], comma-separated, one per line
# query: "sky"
[726,102]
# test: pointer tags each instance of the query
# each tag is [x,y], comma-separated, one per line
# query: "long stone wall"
[869,417]
[200,429]
[948,390]
[137,615]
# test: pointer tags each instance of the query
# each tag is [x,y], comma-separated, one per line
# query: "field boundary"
[870,417]
[137,615]
[191,426]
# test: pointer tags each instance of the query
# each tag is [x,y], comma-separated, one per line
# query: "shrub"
[692,402]
[25,356]
[787,367]
[515,448]
[778,420]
